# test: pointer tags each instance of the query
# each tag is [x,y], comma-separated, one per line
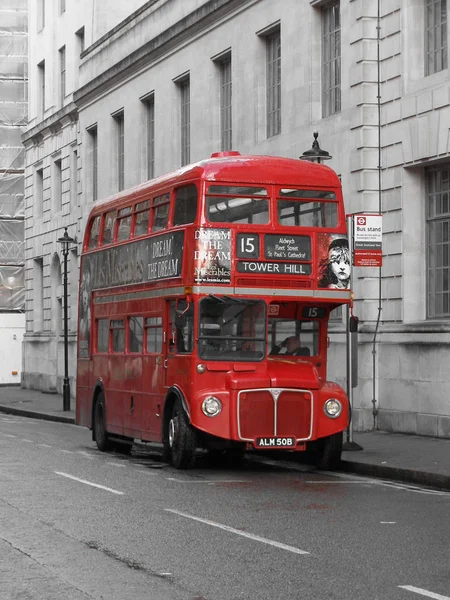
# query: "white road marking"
[44,445]
[114,464]
[65,451]
[388,522]
[250,536]
[9,435]
[207,482]
[29,441]
[404,487]
[426,593]
[86,454]
[102,487]
[336,482]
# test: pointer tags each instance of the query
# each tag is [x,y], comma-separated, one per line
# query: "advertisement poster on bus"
[367,241]
[212,256]
[334,261]
[153,259]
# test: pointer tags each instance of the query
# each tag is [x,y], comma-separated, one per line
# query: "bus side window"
[142,217]
[135,334]
[123,224]
[153,327]
[102,335]
[117,328]
[94,233]
[108,228]
[185,205]
[160,209]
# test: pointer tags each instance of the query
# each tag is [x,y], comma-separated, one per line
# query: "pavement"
[412,459]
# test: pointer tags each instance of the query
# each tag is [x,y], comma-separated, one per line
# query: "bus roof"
[232,167]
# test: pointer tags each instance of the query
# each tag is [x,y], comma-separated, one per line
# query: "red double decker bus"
[205,297]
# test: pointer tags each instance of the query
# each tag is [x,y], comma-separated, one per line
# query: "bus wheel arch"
[179,437]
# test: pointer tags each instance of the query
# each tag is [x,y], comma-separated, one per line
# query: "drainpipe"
[375,402]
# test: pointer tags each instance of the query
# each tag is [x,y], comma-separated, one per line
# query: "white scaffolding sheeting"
[13,120]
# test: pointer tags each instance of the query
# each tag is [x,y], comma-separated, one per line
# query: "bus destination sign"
[287,247]
[275,268]
[281,250]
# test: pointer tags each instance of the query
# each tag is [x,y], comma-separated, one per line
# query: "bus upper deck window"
[108,228]
[160,210]
[185,205]
[237,204]
[123,224]
[307,208]
[142,210]
[94,233]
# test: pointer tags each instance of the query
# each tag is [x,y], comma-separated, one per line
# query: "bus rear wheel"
[182,439]
[101,435]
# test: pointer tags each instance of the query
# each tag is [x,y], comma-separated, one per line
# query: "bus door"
[153,378]
[180,343]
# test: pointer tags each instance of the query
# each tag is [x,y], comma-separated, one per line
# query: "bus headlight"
[332,408]
[211,406]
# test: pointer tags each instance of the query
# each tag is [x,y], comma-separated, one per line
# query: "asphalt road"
[78,524]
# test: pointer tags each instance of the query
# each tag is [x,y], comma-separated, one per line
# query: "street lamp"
[65,242]
[316,154]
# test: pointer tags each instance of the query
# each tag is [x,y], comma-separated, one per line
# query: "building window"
[438,225]
[93,156]
[273,70]
[331,59]
[38,192]
[38,294]
[185,122]
[436,36]
[120,133]
[81,41]
[41,83]
[41,15]
[149,103]
[74,177]
[62,75]
[225,103]
[57,185]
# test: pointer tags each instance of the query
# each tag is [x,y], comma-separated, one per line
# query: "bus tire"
[182,438]
[101,435]
[328,453]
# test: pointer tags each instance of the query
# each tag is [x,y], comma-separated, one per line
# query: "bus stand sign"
[367,241]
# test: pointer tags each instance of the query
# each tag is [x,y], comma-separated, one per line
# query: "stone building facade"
[117,97]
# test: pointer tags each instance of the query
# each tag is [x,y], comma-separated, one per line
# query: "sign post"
[365,245]
[349,444]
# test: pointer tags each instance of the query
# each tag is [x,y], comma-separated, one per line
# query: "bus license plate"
[275,442]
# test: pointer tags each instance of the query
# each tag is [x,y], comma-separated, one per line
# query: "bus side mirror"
[353,324]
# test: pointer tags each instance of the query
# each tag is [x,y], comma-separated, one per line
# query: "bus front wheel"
[327,452]
[101,435]
[182,439]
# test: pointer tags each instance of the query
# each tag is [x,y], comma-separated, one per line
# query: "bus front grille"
[275,412]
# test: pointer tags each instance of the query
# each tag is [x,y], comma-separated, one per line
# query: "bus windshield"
[232,329]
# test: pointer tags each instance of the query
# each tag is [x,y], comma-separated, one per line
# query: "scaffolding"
[13,120]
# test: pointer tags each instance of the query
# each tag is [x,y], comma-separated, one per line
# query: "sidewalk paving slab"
[412,459]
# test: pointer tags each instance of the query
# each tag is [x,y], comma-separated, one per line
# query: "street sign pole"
[349,444]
